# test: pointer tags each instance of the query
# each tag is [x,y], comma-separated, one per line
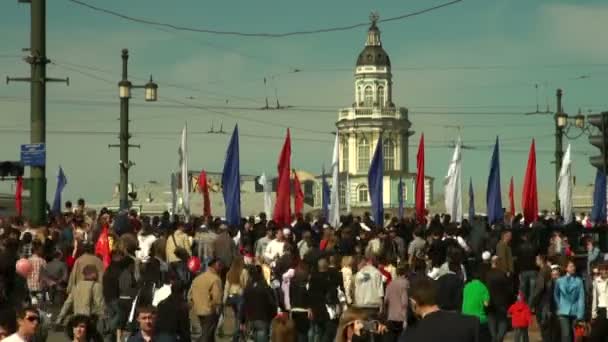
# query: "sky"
[468,69]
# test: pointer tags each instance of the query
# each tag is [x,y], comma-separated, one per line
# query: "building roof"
[373,55]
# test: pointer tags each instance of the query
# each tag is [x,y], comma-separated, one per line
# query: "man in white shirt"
[276,247]
[599,305]
[369,287]
[28,320]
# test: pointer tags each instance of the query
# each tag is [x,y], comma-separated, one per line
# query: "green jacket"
[475,299]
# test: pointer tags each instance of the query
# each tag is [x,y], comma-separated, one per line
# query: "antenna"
[212,130]
[221,131]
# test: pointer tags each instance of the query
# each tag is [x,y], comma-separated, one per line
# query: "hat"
[223,226]
[286,231]
[257,220]
[485,256]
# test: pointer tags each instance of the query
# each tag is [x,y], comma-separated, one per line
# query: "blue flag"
[493,195]
[231,181]
[598,213]
[375,179]
[326,194]
[471,201]
[400,196]
[62,181]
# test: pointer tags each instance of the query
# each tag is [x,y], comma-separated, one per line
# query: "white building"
[372,114]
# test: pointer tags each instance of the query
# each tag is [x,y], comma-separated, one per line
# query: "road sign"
[33,154]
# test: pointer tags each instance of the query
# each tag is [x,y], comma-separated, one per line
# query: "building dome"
[373,55]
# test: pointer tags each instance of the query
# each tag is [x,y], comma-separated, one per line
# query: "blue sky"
[475,56]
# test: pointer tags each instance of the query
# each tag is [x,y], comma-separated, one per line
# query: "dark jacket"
[449,292]
[443,326]
[501,291]
[259,303]
[224,248]
[542,295]
[526,257]
[298,293]
[323,290]
[173,318]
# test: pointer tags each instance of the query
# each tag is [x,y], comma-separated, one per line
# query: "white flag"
[267,195]
[453,187]
[183,163]
[334,197]
[565,187]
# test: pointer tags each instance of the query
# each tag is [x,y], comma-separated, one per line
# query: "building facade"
[374,114]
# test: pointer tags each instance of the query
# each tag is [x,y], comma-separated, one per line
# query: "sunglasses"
[33,319]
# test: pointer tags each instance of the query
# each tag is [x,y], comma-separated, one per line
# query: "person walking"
[521,317]
[205,297]
[569,296]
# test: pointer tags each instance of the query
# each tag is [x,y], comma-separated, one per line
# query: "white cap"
[286,231]
[486,256]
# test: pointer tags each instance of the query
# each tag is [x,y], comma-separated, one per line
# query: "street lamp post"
[560,122]
[124,92]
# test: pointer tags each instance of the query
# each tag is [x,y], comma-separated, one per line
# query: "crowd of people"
[165,278]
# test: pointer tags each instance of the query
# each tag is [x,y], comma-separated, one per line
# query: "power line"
[259,34]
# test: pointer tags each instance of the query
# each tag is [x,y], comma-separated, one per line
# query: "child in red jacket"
[521,317]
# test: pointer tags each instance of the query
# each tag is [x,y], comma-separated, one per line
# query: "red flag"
[299,195]
[282,207]
[529,201]
[102,246]
[511,197]
[204,189]
[18,196]
[420,197]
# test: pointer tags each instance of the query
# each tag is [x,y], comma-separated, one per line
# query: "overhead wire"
[258,34]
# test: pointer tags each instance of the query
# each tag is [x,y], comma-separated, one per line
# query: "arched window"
[342,194]
[369,97]
[345,155]
[359,96]
[363,155]
[381,96]
[362,193]
[388,149]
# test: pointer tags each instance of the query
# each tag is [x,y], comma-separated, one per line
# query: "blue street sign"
[33,154]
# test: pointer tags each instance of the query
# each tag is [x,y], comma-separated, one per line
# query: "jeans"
[236,303]
[208,327]
[261,331]
[324,331]
[521,335]
[497,323]
[115,318]
[527,279]
[566,326]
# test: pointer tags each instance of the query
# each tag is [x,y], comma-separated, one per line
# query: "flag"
[347,193]
[231,181]
[400,196]
[375,179]
[62,181]
[267,194]
[19,196]
[183,163]
[565,186]
[282,207]
[325,195]
[453,185]
[102,246]
[298,194]
[420,193]
[471,200]
[334,209]
[204,189]
[512,197]
[598,213]
[173,194]
[529,201]
[493,194]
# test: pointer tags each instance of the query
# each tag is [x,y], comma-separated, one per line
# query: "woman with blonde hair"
[347,270]
[236,281]
[353,326]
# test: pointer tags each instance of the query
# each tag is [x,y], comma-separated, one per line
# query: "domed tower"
[373,113]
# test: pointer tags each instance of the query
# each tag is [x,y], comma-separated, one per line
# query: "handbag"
[180,252]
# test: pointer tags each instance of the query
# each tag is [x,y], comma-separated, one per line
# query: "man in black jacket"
[436,325]
[526,264]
